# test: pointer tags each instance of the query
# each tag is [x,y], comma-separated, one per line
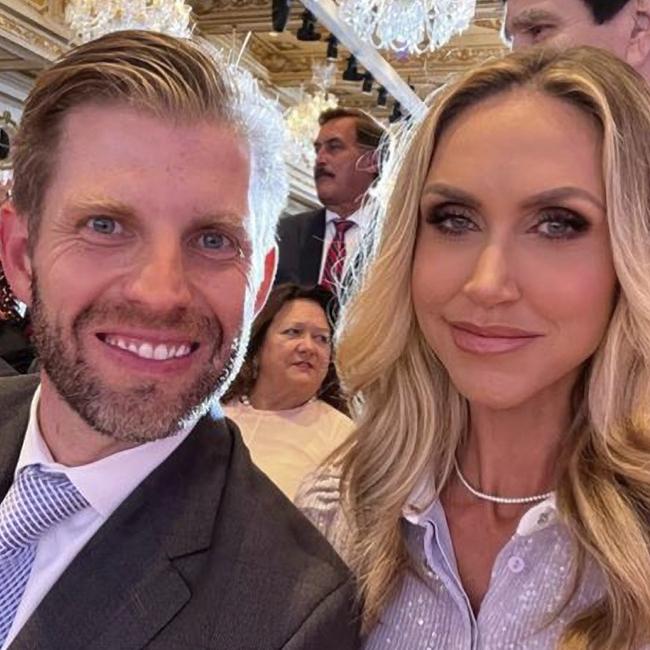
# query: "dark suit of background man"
[141,235]
[620,26]
[315,246]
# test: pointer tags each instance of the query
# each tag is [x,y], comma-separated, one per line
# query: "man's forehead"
[343,128]
[539,9]
[522,14]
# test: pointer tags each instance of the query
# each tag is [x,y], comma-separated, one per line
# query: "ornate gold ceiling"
[32,33]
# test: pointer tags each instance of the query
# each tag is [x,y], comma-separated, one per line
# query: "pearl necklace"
[496,499]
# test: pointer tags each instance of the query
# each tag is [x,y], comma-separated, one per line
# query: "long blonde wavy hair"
[411,419]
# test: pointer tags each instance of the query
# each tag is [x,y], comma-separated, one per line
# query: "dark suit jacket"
[300,242]
[205,553]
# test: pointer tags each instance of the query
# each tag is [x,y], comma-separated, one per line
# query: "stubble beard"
[138,413]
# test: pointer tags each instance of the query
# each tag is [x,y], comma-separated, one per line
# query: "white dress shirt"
[104,483]
[352,237]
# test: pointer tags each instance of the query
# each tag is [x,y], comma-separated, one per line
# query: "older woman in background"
[496,491]
[286,399]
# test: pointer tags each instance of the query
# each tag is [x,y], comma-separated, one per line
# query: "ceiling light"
[332,48]
[414,26]
[351,73]
[366,87]
[280,15]
[307,31]
[397,112]
[90,19]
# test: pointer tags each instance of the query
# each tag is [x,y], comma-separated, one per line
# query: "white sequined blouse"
[530,580]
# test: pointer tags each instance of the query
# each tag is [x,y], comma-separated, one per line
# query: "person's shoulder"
[278,546]
[333,425]
[17,387]
[279,525]
[319,499]
[329,411]
[289,223]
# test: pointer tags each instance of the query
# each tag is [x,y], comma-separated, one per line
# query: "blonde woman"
[496,493]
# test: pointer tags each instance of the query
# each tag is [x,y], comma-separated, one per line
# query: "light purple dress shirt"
[530,580]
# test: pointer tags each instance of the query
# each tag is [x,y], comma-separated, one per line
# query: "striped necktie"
[36,501]
[336,254]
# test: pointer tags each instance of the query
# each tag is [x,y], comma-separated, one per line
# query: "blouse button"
[516,564]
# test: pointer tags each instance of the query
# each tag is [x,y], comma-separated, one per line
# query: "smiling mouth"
[490,340]
[150,350]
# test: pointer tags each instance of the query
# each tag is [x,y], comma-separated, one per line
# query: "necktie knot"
[36,501]
[343,225]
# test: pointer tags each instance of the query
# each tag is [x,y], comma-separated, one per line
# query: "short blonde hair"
[411,419]
[177,79]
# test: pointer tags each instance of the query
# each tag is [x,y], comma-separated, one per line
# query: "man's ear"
[638,47]
[14,252]
[270,267]
[369,162]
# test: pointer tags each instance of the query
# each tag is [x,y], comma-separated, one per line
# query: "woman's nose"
[492,280]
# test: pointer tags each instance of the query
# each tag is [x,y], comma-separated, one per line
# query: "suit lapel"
[15,399]
[311,246]
[125,585]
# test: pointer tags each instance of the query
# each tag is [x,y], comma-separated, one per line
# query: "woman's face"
[513,281]
[297,348]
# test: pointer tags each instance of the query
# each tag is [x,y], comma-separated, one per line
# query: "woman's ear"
[14,252]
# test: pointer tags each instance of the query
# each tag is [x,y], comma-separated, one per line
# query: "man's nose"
[321,157]
[492,281]
[160,278]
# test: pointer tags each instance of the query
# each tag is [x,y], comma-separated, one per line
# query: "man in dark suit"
[141,236]
[315,247]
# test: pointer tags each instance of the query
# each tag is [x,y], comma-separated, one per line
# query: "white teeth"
[159,352]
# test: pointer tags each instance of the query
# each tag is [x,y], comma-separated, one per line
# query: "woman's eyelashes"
[560,223]
[550,223]
[450,219]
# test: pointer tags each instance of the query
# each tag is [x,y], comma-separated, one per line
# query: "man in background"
[316,247]
[148,179]
[620,26]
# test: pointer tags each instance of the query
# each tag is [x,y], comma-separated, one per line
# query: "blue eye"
[104,225]
[561,224]
[216,242]
[450,220]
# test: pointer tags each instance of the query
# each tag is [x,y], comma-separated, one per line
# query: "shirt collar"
[355,217]
[107,482]
[416,512]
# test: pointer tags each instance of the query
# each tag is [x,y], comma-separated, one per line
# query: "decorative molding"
[35,42]
[489,23]
[227,5]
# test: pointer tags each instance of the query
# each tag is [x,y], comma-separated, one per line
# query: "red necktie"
[335,260]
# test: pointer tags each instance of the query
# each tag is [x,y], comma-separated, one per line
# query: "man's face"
[139,273]
[566,23]
[343,170]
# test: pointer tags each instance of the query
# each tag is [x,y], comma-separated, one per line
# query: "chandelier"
[302,119]
[412,26]
[90,19]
